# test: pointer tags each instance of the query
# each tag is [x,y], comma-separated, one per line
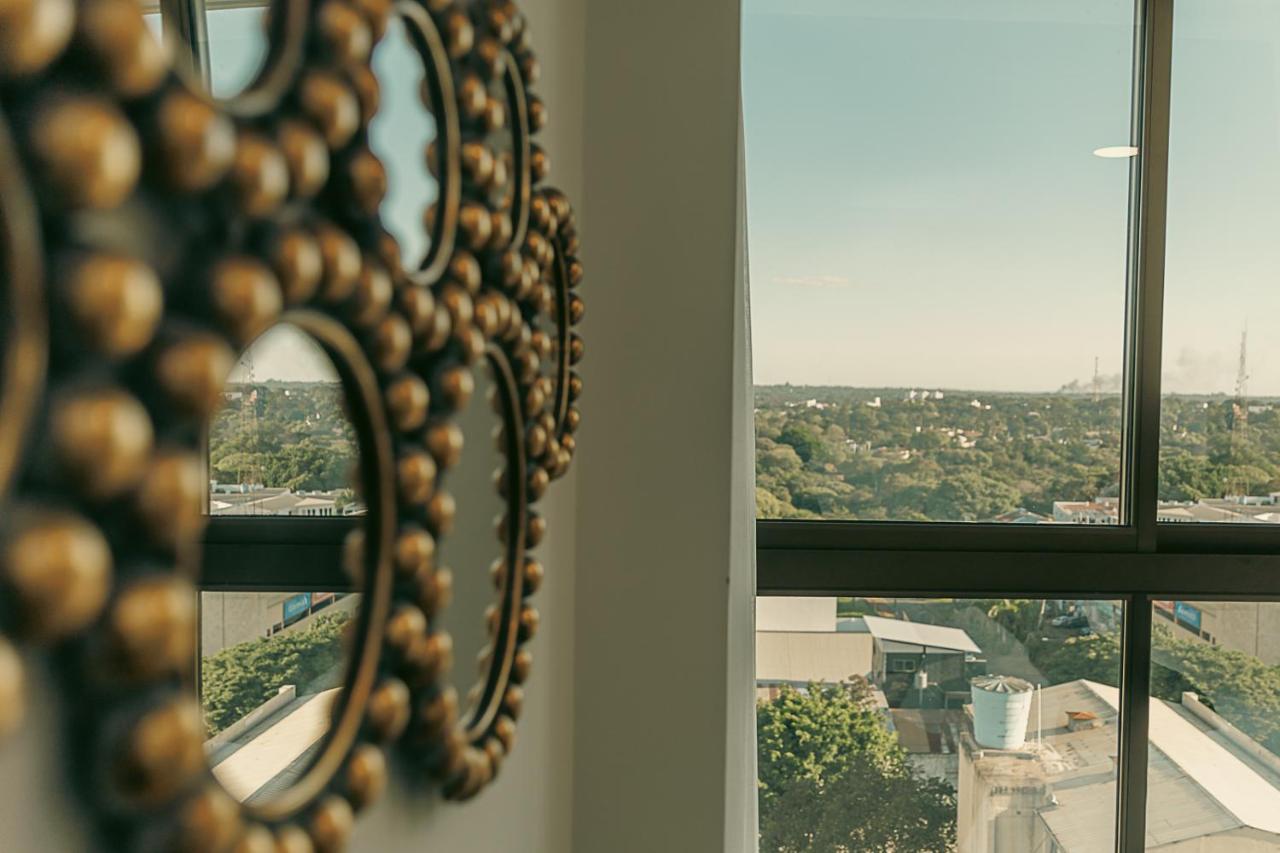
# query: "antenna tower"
[1097,381]
[249,472]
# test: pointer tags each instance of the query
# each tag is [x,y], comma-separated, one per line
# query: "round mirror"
[473,544]
[253,49]
[282,670]
[417,117]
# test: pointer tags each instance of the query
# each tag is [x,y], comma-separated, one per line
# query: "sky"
[924,207]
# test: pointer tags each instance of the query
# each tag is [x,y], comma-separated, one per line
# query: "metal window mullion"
[1148,203]
[1135,709]
[185,19]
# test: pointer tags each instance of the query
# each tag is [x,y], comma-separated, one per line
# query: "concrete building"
[1211,788]
[258,500]
[921,665]
[1252,627]
[231,618]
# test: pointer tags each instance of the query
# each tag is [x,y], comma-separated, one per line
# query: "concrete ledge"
[286,695]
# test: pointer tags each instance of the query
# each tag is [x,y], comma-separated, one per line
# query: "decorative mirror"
[154,235]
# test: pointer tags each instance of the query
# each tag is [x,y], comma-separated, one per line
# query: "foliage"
[241,677]
[1241,688]
[290,435]
[834,779]
[878,453]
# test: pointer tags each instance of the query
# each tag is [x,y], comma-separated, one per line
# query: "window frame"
[1136,562]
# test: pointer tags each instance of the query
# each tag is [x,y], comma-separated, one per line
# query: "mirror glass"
[473,545]
[282,444]
[238,46]
[399,135]
[272,664]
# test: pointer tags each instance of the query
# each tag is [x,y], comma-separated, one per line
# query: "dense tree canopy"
[290,435]
[833,779]
[882,454]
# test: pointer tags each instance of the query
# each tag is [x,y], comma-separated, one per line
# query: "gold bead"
[171,497]
[419,307]
[478,161]
[256,839]
[377,13]
[430,657]
[438,715]
[371,298]
[392,342]
[368,180]
[346,32]
[133,60]
[416,477]
[406,626]
[537,114]
[476,225]
[530,69]
[342,262]
[246,297]
[306,156]
[163,752]
[495,115]
[464,270]
[197,142]
[33,33]
[367,773]
[458,303]
[576,309]
[441,510]
[576,348]
[539,163]
[116,302]
[291,839]
[296,259]
[459,35]
[353,554]
[472,97]
[407,402]
[415,549]
[331,824]
[445,443]
[434,590]
[536,530]
[368,91]
[58,567]
[259,174]
[13,689]
[533,575]
[389,708]
[331,104]
[152,627]
[457,385]
[513,701]
[521,665]
[209,822]
[193,370]
[87,150]
[504,728]
[103,439]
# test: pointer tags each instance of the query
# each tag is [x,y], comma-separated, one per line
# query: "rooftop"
[920,635]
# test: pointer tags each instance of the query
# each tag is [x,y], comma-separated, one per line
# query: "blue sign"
[296,606]
[1187,615]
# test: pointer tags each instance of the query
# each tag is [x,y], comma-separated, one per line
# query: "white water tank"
[1001,709]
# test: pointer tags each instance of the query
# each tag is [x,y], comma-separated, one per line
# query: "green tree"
[833,779]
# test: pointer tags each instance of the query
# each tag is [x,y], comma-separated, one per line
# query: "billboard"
[1187,615]
[296,606]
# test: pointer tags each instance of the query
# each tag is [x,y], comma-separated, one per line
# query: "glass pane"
[282,444]
[237,46]
[271,666]
[938,207]
[1220,435]
[982,726]
[1213,774]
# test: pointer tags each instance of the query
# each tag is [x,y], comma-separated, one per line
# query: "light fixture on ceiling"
[1116,152]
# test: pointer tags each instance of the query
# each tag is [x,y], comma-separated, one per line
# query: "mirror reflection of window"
[282,444]
[238,47]
[271,666]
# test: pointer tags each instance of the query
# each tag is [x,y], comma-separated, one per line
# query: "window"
[998,280]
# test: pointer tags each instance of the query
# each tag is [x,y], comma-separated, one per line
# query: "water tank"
[1001,708]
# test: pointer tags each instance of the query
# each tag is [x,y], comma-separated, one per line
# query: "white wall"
[655,513]
[529,807]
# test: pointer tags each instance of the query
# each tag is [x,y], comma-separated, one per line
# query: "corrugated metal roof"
[918,634]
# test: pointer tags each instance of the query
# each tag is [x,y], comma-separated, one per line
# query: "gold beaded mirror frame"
[148,234]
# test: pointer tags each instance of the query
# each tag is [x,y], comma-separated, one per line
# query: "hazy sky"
[925,208]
